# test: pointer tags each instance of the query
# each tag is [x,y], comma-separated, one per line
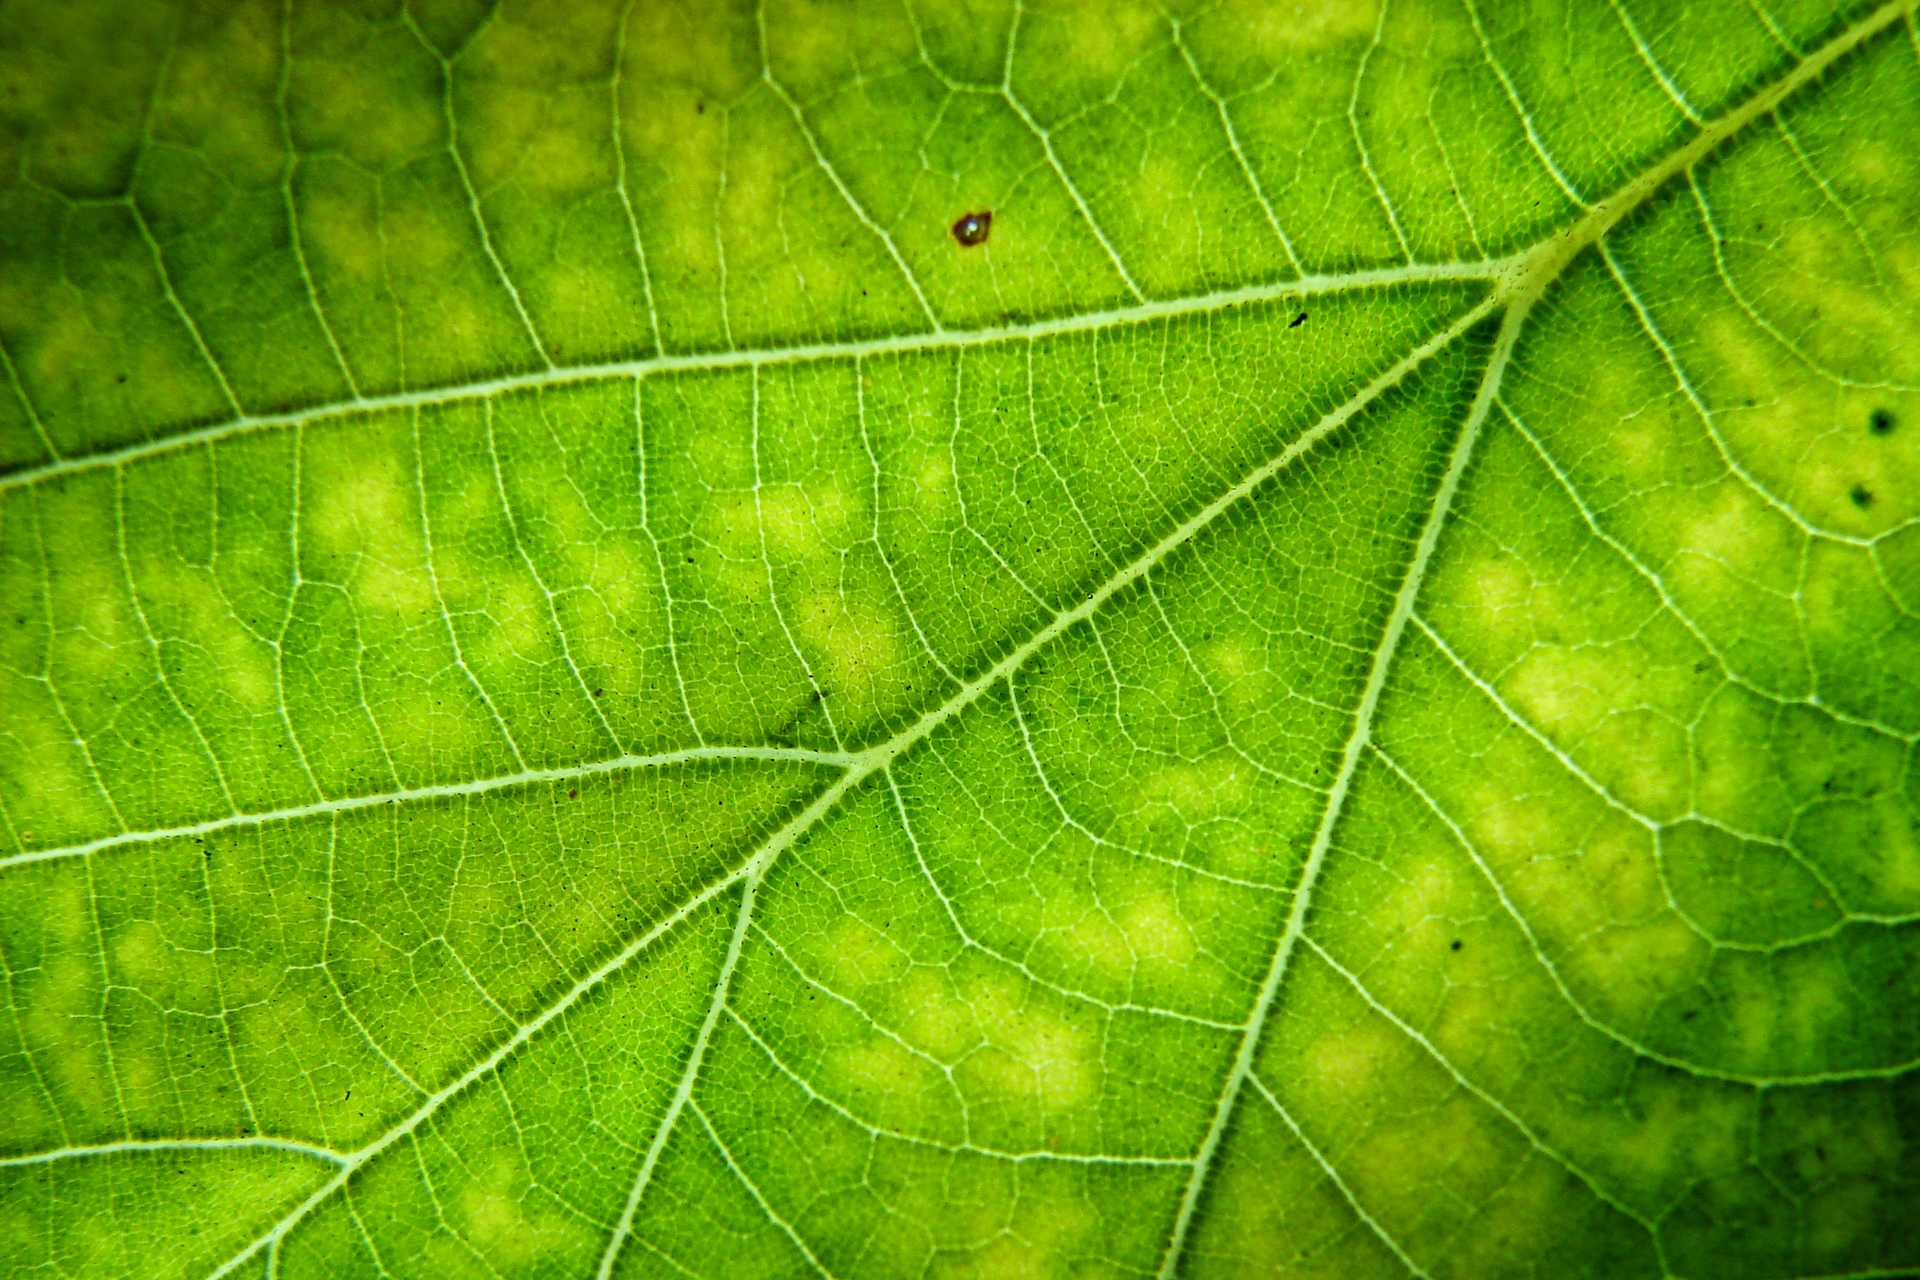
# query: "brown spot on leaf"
[972,228]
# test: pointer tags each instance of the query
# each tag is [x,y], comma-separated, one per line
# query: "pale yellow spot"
[1346,1063]
[522,622]
[1629,968]
[381,124]
[368,503]
[933,487]
[1641,760]
[240,661]
[570,153]
[63,910]
[342,230]
[1869,161]
[936,1021]
[1047,1243]
[1619,864]
[1498,591]
[141,957]
[1563,690]
[423,238]
[368,511]
[861,956]
[688,46]
[1106,39]
[1097,939]
[622,577]
[203,81]
[1838,1214]
[1674,1130]
[1896,871]
[1204,790]
[1156,930]
[1279,31]
[1739,532]
[66,346]
[812,39]
[1817,1000]
[501,1224]
[806,521]
[1429,896]
[61,1023]
[1032,1054]
[1569,874]
[1150,931]
[860,646]
[881,1067]
[1163,199]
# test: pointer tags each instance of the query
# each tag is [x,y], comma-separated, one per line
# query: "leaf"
[589,689]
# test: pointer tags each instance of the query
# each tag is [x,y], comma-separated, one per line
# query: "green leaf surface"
[587,691]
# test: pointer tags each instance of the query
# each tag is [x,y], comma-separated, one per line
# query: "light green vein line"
[786,1228]
[348,804]
[1333,1175]
[683,1091]
[1146,312]
[161,1145]
[1357,740]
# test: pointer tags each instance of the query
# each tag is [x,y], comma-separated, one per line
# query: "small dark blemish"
[574,794]
[1457,944]
[972,228]
[1880,422]
[1703,665]
[699,108]
[1689,1015]
[598,692]
[121,378]
[1297,321]
[1861,495]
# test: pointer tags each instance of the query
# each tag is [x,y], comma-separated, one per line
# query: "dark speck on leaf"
[1880,421]
[574,794]
[1297,321]
[121,378]
[700,108]
[1457,944]
[1861,495]
[972,228]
